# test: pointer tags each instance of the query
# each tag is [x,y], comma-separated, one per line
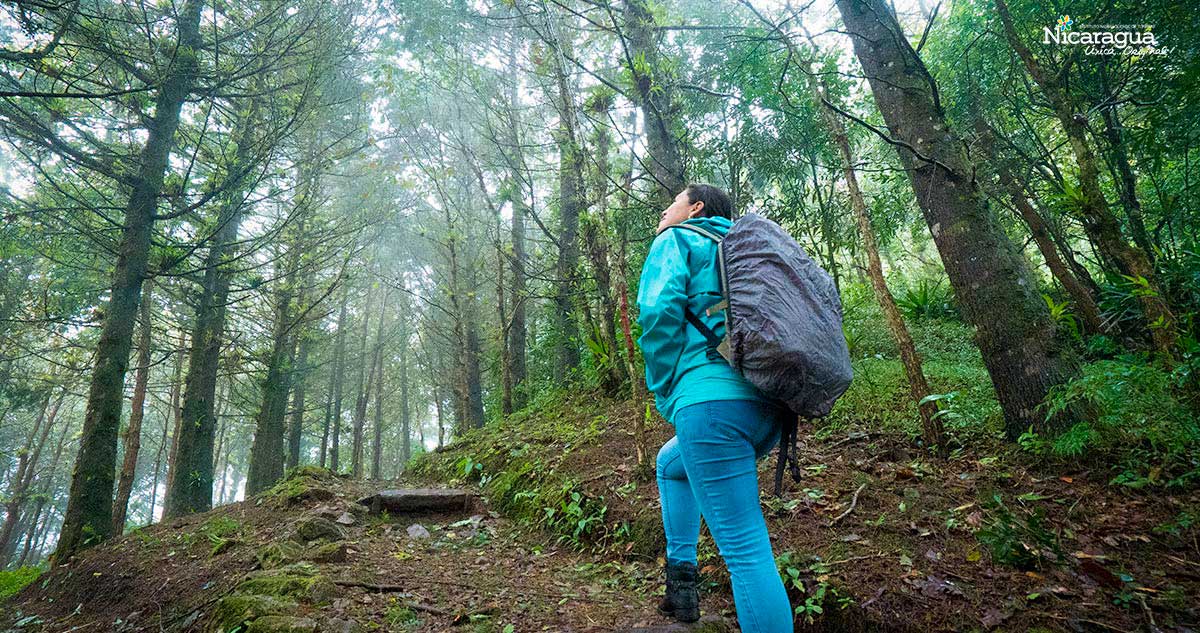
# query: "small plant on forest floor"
[794,574]
[221,532]
[1022,540]
[469,468]
[575,516]
[15,580]
[399,615]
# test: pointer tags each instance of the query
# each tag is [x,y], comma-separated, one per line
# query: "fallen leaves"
[1100,574]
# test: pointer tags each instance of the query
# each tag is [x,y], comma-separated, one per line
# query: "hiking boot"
[681,601]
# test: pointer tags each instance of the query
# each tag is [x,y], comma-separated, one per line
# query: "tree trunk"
[137,410]
[18,485]
[1126,181]
[88,518]
[1084,299]
[266,453]
[158,459]
[571,203]
[637,378]
[1020,349]
[515,190]
[595,238]
[339,377]
[360,402]
[437,402]
[474,376]
[1101,226]
[377,371]
[828,237]
[657,100]
[918,386]
[219,450]
[193,456]
[517,328]
[405,420]
[502,340]
[296,423]
[176,416]
[47,490]
[222,473]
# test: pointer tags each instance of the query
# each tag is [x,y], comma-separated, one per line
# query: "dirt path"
[485,571]
[309,558]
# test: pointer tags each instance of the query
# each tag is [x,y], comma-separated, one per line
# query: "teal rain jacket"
[681,269]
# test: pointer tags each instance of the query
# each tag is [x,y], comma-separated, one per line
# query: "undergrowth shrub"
[1141,425]
[15,580]
[926,299]
[879,398]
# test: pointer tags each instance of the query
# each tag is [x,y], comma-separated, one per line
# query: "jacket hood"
[715,224]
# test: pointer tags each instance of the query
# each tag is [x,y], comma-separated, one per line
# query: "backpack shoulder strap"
[695,229]
[718,348]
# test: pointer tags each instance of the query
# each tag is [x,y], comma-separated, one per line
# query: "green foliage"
[946,411]
[222,532]
[1184,521]
[879,395]
[789,571]
[576,515]
[469,468]
[815,594]
[15,580]
[1140,423]
[1062,316]
[1018,539]
[401,616]
[926,299]
[879,398]
[601,354]
[517,462]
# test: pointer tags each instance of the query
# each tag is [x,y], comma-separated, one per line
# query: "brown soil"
[465,576]
[907,556]
[913,553]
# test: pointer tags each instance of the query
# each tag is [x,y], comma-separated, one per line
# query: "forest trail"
[310,556]
[875,537]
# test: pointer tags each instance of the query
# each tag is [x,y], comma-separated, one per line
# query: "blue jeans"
[709,468]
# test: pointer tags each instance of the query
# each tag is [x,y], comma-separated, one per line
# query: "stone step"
[419,500]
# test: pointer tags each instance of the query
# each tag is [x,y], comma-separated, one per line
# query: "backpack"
[783,323]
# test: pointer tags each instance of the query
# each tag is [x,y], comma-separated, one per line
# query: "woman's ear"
[696,212]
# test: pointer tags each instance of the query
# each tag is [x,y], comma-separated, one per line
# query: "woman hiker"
[723,424]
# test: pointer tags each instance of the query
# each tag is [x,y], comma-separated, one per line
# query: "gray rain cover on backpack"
[784,318]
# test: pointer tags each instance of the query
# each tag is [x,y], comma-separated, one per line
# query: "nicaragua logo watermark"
[1104,39]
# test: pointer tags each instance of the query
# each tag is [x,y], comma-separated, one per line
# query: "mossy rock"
[335,552]
[236,609]
[310,470]
[282,624]
[315,528]
[298,580]
[278,553]
[304,483]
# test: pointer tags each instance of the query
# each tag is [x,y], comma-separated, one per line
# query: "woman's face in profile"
[680,210]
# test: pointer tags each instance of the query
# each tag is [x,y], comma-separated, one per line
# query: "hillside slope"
[877,535]
[306,557]
[568,537]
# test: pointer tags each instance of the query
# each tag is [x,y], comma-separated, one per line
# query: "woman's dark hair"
[716,202]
